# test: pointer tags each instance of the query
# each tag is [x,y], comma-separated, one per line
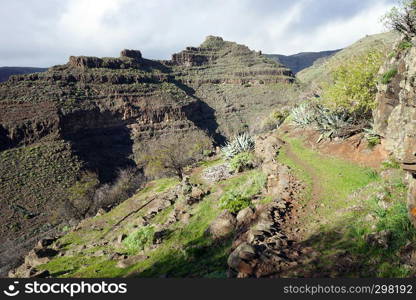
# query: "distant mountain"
[320,71]
[6,72]
[300,61]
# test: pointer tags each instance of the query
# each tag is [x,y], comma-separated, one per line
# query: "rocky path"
[312,200]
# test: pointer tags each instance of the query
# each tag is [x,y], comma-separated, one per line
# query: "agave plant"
[241,143]
[331,123]
[372,137]
[303,115]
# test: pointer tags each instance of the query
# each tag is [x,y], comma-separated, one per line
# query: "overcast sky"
[47,32]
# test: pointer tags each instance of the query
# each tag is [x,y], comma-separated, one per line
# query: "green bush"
[373,141]
[241,162]
[386,78]
[275,119]
[234,202]
[390,164]
[396,220]
[405,45]
[139,239]
[354,83]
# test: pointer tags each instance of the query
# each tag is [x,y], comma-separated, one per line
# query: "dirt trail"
[297,225]
[317,189]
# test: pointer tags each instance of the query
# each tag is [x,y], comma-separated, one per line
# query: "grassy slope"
[187,252]
[319,72]
[339,200]
[343,205]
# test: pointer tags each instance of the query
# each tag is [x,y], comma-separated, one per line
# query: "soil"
[354,148]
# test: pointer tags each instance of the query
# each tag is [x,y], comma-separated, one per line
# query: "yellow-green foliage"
[354,83]
[242,161]
[139,239]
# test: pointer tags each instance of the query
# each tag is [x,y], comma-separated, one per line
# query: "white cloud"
[337,34]
[42,33]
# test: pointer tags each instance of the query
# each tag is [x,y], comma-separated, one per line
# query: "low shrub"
[354,83]
[330,123]
[242,161]
[303,115]
[373,139]
[234,202]
[387,77]
[139,239]
[274,120]
[390,164]
[405,45]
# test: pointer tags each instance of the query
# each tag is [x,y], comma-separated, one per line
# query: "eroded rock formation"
[395,115]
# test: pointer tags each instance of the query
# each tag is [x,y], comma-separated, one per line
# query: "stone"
[126,262]
[379,239]
[217,173]
[45,242]
[34,273]
[37,257]
[120,238]
[222,226]
[135,54]
[100,212]
[245,216]
[196,195]
[160,235]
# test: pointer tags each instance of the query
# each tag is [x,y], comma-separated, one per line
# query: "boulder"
[222,226]
[239,258]
[245,216]
[127,261]
[160,235]
[217,173]
[379,239]
[38,257]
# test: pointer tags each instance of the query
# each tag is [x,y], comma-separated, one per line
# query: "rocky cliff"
[96,114]
[395,115]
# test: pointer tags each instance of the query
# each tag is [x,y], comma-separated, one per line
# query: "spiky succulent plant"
[303,115]
[330,123]
[240,143]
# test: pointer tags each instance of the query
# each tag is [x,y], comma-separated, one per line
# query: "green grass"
[387,76]
[339,223]
[336,178]
[186,252]
[405,45]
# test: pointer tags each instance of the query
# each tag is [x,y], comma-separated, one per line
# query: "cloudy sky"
[46,32]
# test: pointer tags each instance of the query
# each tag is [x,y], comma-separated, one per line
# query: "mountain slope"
[300,61]
[6,72]
[76,125]
[319,72]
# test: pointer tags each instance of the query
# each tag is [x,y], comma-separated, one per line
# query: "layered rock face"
[240,86]
[395,115]
[96,114]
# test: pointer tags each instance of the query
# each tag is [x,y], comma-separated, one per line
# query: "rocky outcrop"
[395,115]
